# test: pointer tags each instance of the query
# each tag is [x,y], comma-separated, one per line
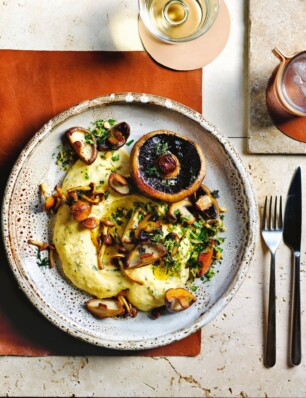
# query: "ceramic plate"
[23,218]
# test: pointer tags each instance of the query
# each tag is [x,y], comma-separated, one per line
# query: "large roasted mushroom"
[167,166]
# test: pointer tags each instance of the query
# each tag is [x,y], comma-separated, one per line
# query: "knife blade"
[292,237]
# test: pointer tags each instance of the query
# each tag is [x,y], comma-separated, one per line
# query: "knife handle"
[296,354]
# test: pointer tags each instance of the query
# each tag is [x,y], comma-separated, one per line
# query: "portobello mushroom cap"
[168,178]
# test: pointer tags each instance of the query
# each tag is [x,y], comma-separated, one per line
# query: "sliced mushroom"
[119,184]
[129,273]
[107,222]
[116,258]
[178,299]
[169,165]
[96,190]
[106,238]
[60,192]
[90,222]
[180,209]
[49,200]
[145,227]
[127,236]
[206,204]
[83,143]
[144,254]
[176,241]
[79,188]
[205,260]
[101,252]
[93,199]
[116,137]
[105,308]
[80,210]
[130,310]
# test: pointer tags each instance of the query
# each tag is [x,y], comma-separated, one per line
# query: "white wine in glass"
[178,20]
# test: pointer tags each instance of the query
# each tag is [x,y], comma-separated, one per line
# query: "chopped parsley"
[89,139]
[106,194]
[42,262]
[142,249]
[115,158]
[161,148]
[86,176]
[130,142]
[193,175]
[99,130]
[65,158]
[215,193]
[152,171]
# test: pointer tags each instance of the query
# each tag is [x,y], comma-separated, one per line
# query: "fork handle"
[271,333]
[296,351]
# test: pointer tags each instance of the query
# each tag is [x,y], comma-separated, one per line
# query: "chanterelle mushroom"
[167,166]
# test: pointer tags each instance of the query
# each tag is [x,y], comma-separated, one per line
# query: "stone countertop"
[231,361]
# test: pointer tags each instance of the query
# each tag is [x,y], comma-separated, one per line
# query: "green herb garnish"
[152,171]
[115,158]
[161,148]
[130,142]
[42,262]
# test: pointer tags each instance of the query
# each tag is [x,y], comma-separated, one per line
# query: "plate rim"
[128,98]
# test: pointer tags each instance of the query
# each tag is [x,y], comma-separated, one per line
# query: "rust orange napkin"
[34,87]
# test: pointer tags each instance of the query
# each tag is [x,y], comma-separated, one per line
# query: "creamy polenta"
[78,253]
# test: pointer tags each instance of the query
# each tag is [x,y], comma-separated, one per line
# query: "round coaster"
[193,54]
[293,126]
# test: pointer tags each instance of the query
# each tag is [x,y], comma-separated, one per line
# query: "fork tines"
[277,218]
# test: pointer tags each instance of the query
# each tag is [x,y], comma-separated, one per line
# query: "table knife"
[292,238]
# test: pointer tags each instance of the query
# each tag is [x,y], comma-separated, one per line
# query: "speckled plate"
[23,218]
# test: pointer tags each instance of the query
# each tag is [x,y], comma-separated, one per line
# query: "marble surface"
[231,361]
[288,34]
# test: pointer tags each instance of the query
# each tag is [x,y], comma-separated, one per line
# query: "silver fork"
[272,230]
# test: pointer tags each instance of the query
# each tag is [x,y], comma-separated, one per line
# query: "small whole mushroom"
[80,210]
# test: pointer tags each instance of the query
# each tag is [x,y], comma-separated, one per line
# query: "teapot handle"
[280,55]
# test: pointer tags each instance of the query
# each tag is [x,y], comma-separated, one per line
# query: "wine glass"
[178,21]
